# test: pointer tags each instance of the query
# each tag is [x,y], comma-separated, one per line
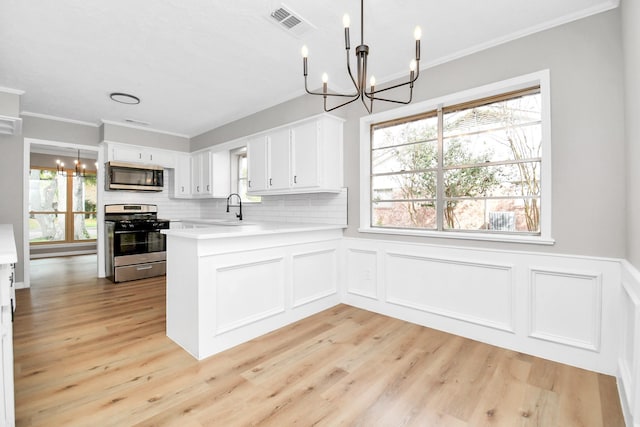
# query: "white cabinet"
[201,174]
[8,257]
[278,160]
[269,161]
[180,180]
[145,155]
[304,157]
[257,158]
[210,175]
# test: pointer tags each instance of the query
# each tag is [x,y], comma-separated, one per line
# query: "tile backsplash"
[319,208]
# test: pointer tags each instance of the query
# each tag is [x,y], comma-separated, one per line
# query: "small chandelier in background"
[80,168]
[359,83]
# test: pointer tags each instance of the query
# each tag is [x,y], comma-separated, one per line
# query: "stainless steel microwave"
[133,177]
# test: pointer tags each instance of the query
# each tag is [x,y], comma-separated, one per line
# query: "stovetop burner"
[134,217]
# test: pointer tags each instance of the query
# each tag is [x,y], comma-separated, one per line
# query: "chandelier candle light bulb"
[359,83]
[305,54]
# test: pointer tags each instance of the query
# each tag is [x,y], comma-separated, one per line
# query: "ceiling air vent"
[290,21]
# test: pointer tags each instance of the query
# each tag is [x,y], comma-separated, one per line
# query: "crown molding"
[57,119]
[11,91]
[148,129]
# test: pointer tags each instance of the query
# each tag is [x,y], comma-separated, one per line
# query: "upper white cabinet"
[304,157]
[257,160]
[201,184]
[205,174]
[137,154]
[180,179]
[278,160]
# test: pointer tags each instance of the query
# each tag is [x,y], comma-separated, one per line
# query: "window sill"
[535,240]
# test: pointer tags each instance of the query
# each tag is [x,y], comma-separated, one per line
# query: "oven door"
[133,242]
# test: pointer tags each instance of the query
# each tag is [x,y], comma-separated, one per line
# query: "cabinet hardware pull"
[270,182]
[146,267]
[295,179]
[207,187]
[198,188]
[249,183]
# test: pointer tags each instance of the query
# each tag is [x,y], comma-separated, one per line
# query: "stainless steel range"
[136,248]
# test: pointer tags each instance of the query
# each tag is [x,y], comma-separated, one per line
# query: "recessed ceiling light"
[124,98]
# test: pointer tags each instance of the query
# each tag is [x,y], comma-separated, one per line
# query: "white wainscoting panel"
[246,293]
[566,307]
[475,292]
[560,307]
[629,358]
[315,276]
[362,273]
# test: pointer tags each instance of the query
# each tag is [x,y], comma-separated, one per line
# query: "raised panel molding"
[362,273]
[471,291]
[566,307]
[315,276]
[264,280]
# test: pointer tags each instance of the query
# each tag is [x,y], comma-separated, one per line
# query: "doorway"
[61,229]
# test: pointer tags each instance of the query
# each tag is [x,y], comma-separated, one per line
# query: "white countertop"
[217,229]
[8,253]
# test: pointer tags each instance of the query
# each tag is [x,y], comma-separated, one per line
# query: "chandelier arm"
[364,102]
[355,85]
[372,97]
[325,94]
[341,105]
[410,82]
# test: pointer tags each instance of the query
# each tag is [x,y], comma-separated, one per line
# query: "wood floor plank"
[91,353]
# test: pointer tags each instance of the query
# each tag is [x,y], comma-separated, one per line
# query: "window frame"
[68,212]
[463,98]
[236,154]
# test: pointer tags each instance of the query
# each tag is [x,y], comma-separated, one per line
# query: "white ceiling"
[199,64]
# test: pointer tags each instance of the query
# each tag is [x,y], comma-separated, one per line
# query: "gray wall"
[282,114]
[588,151]
[9,104]
[631,41]
[134,136]
[55,130]
[11,162]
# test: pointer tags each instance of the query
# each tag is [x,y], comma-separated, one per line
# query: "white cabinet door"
[257,164]
[166,159]
[305,156]
[201,174]
[279,160]
[126,154]
[220,174]
[182,176]
[136,154]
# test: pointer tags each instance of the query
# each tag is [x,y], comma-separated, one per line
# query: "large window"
[62,207]
[468,168]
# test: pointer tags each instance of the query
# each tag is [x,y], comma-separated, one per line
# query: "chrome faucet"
[238,215]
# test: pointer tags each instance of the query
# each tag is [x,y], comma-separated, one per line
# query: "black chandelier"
[362,51]
[80,168]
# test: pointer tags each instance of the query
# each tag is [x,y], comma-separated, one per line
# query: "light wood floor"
[90,353]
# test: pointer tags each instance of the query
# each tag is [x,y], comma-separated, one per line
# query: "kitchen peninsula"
[229,283]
